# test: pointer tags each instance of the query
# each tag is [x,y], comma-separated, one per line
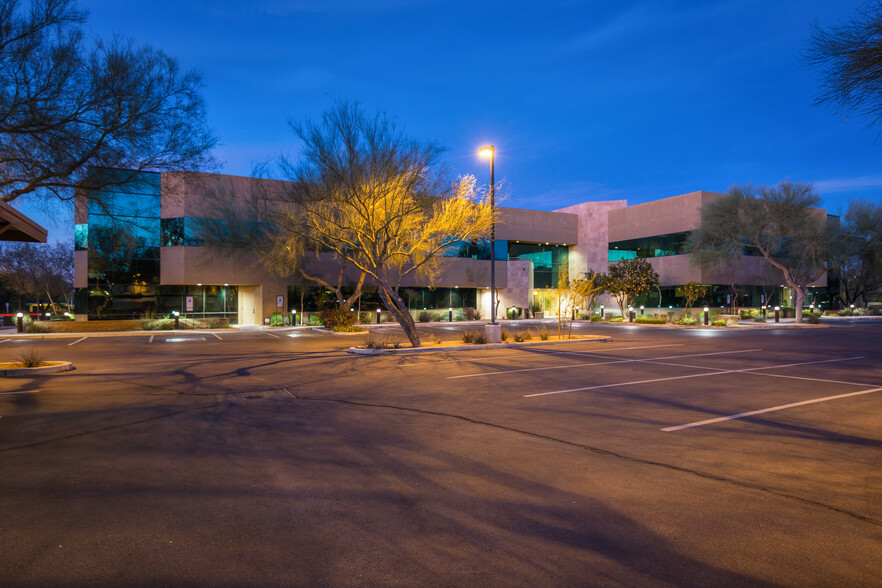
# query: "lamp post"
[491,153]
[706,311]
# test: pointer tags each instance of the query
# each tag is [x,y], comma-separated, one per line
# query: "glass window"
[547,261]
[81,237]
[655,246]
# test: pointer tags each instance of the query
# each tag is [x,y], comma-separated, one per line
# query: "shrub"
[459,315]
[314,320]
[688,319]
[30,357]
[438,316]
[535,307]
[719,323]
[513,313]
[650,321]
[596,318]
[366,318]
[424,316]
[36,327]
[813,318]
[276,319]
[759,319]
[518,338]
[332,317]
[503,334]
[477,315]
[617,319]
[543,333]
[385,342]
[474,337]
[846,312]
[347,329]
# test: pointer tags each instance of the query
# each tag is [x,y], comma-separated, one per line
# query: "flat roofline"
[14,226]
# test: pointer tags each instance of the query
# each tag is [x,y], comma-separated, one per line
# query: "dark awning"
[14,226]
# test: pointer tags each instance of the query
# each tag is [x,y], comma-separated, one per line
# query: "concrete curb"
[56,366]
[407,350]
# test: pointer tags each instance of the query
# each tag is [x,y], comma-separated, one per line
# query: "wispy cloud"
[837,185]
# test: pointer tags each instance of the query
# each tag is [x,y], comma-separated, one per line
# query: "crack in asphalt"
[598,451]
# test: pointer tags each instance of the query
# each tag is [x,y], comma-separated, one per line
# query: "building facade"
[139,254]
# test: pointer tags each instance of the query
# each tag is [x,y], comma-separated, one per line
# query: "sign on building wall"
[189,304]
[280,301]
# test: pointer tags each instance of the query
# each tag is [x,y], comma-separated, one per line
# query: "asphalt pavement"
[667,457]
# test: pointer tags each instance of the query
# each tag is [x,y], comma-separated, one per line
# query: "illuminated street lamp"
[491,153]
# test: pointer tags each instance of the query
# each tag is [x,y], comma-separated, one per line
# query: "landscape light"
[19,315]
[176,313]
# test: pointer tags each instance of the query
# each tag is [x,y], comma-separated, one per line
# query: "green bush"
[650,321]
[438,317]
[688,319]
[476,314]
[759,319]
[719,323]
[596,318]
[459,316]
[813,318]
[314,320]
[336,316]
[424,316]
[513,313]
[617,319]
[35,327]
[347,329]
[276,319]
[366,318]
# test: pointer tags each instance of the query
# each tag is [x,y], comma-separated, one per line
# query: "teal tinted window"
[655,246]
[547,261]
[126,193]
[477,249]
[180,231]
[81,237]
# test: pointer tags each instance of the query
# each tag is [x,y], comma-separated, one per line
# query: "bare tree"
[849,57]
[860,263]
[37,271]
[779,223]
[68,107]
[366,195]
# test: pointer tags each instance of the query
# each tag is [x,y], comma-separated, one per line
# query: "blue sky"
[583,100]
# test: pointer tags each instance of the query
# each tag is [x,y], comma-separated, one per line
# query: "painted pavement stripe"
[741,371]
[77,341]
[613,361]
[218,336]
[742,415]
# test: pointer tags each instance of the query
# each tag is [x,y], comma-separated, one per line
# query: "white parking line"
[5,340]
[19,392]
[745,370]
[271,335]
[742,415]
[586,353]
[77,341]
[576,365]
[218,336]
[150,340]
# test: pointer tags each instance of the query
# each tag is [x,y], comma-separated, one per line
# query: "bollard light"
[602,314]
[177,319]
[706,314]
[777,314]
[450,314]
[19,322]
[641,310]
[378,316]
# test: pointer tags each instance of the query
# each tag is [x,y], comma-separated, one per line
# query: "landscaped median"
[14,368]
[458,346]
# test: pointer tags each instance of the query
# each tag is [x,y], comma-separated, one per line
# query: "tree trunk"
[801,293]
[395,304]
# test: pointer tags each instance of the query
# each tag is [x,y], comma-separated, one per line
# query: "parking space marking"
[558,367]
[77,341]
[5,340]
[742,415]
[588,354]
[271,335]
[150,340]
[720,373]
[216,335]
[19,392]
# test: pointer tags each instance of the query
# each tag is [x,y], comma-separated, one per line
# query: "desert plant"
[365,318]
[437,317]
[542,332]
[504,334]
[276,319]
[617,319]
[650,321]
[386,342]
[596,318]
[424,316]
[813,318]
[30,357]
[759,319]
[36,327]
[477,314]
[518,337]
[314,320]
[719,323]
[688,319]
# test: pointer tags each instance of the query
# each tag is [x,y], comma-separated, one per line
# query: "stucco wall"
[591,251]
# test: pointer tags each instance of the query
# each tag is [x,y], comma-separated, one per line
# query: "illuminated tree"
[629,278]
[692,291]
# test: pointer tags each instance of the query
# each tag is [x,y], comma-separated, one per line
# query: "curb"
[58,366]
[589,339]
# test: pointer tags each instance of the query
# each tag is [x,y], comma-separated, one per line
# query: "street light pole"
[491,153]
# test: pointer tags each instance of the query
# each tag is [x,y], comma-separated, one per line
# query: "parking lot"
[665,457]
